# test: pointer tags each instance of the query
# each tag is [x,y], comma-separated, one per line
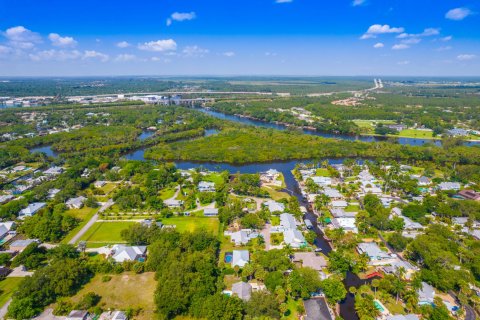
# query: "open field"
[7,288]
[83,214]
[123,291]
[276,194]
[191,223]
[413,133]
[104,233]
[167,193]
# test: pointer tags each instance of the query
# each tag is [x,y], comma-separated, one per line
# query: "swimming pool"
[378,306]
[228,257]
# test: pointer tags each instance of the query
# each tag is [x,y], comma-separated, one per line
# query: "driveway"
[90,223]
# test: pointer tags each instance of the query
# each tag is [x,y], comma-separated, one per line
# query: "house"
[310,259]
[240,258]
[113,315]
[372,250]
[274,206]
[77,315]
[243,290]
[6,198]
[423,181]
[75,203]
[366,177]
[322,181]
[411,225]
[460,221]
[395,266]
[31,209]
[242,237]
[5,228]
[99,183]
[210,212]
[397,127]
[339,204]
[206,186]
[20,245]
[426,294]
[294,238]
[446,186]
[456,132]
[287,221]
[122,253]
[332,193]
[53,171]
[403,317]
[469,194]
[395,212]
[172,203]
[317,309]
[346,223]
[52,193]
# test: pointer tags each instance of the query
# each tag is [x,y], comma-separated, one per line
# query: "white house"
[426,294]
[75,203]
[274,206]
[322,181]
[206,186]
[445,186]
[99,183]
[243,290]
[240,258]
[377,256]
[122,253]
[5,228]
[242,237]
[172,203]
[53,171]
[31,209]
[294,238]
[210,212]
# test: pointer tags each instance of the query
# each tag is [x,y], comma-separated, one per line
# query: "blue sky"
[239,37]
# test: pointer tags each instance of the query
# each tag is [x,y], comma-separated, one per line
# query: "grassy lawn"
[213,177]
[7,288]
[108,187]
[191,223]
[323,172]
[292,312]
[352,208]
[123,291]
[276,194]
[106,232]
[414,133]
[275,220]
[84,214]
[167,193]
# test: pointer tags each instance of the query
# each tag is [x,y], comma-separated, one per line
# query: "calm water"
[145,134]
[250,122]
[45,149]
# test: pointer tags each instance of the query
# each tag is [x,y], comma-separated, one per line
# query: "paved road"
[90,223]
[4,309]
[469,313]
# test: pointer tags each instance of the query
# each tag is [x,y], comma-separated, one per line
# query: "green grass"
[276,194]
[85,214]
[167,193]
[7,288]
[292,312]
[106,232]
[352,208]
[108,187]
[275,220]
[323,172]
[213,177]
[191,223]
[123,291]
[414,133]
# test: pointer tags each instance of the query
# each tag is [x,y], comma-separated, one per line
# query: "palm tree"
[352,290]
[398,286]
[365,308]
[375,284]
[411,299]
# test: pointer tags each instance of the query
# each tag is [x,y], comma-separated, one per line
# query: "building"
[242,237]
[403,317]
[322,181]
[317,309]
[332,193]
[426,294]
[206,186]
[31,209]
[243,290]
[77,315]
[294,238]
[121,253]
[274,206]
[310,259]
[240,258]
[446,186]
[372,250]
[53,171]
[339,204]
[395,266]
[456,132]
[172,203]
[113,315]
[6,228]
[76,203]
[469,194]
[52,193]
[6,198]
[287,221]
[411,225]
[99,183]
[210,212]
[20,245]
[423,181]
[346,223]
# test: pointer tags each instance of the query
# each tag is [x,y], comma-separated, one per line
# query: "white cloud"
[447,38]
[159,45]
[458,14]
[377,29]
[283,1]
[426,33]
[123,44]
[194,51]
[403,63]
[466,57]
[411,41]
[56,55]
[401,46]
[356,3]
[5,50]
[378,45]
[60,41]
[125,57]
[92,54]
[229,54]
[444,48]
[22,38]
[180,16]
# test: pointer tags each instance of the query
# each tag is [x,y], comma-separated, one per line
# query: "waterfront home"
[333,194]
[172,203]
[274,206]
[31,209]
[206,186]
[372,250]
[346,223]
[426,294]
[317,309]
[294,238]
[446,186]
[322,181]
[310,260]
[395,266]
[6,228]
[53,171]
